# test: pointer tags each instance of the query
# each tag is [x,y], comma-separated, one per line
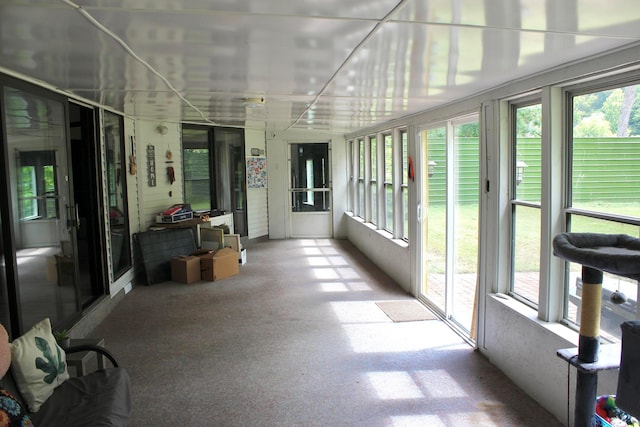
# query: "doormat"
[405,311]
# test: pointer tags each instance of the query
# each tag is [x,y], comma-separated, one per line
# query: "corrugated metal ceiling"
[328,65]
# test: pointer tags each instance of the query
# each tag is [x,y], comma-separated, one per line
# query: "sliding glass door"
[45,215]
[450,201]
[215,172]
[52,211]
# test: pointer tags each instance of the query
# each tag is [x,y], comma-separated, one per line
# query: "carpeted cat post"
[617,254]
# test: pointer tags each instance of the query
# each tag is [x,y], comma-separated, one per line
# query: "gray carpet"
[297,340]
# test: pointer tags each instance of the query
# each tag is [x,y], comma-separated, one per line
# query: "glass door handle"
[73,217]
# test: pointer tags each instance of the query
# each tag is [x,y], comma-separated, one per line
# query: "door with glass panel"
[310,191]
[45,215]
[450,155]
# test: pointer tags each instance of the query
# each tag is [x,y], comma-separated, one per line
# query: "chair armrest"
[89,347]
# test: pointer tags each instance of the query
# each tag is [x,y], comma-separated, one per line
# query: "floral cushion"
[38,364]
[11,412]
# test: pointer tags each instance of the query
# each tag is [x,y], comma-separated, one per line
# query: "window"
[361,206]
[404,189]
[37,187]
[350,159]
[196,163]
[373,180]
[388,182]
[382,194]
[604,193]
[526,184]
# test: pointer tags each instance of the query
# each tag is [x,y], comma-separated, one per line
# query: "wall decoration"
[256,172]
[132,157]
[151,165]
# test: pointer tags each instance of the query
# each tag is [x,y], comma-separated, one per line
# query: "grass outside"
[527,234]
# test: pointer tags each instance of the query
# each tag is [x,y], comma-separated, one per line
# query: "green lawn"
[527,234]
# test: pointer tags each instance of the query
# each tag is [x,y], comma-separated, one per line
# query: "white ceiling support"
[344,63]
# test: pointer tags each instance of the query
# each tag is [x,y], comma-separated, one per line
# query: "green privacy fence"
[604,169]
[467,167]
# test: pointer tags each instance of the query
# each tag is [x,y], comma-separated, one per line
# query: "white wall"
[277,171]
[154,200]
[257,206]
[524,348]
[392,256]
[340,182]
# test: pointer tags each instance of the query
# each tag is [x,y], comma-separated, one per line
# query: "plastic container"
[602,422]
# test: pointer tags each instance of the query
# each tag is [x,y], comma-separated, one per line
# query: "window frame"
[569,213]
[388,161]
[360,201]
[351,175]
[403,146]
[515,202]
[372,186]
[201,145]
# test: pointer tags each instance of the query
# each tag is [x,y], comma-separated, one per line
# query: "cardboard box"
[185,269]
[219,265]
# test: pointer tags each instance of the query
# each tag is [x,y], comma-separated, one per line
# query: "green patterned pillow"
[38,364]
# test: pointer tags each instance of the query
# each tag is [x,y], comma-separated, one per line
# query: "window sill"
[558,329]
[382,233]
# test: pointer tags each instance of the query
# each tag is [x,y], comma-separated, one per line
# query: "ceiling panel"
[358,9]
[319,64]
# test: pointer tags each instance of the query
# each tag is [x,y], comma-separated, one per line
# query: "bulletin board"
[256,172]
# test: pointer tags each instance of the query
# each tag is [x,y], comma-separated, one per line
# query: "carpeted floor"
[297,340]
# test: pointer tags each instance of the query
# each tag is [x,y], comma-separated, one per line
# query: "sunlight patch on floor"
[369,336]
[325,273]
[394,385]
[357,312]
[318,261]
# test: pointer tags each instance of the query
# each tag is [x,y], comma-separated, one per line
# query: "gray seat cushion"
[101,398]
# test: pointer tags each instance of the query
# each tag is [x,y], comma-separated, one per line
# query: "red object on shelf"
[172,210]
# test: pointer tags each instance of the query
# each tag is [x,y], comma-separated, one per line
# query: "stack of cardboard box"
[219,257]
